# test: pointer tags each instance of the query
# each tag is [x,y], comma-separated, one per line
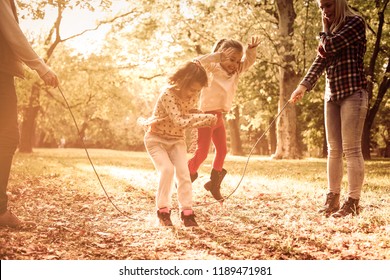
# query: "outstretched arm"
[20,46]
[254,43]
[298,93]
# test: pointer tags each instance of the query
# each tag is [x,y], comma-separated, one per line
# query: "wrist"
[303,88]
[325,29]
[217,56]
[323,33]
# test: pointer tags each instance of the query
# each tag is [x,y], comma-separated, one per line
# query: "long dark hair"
[187,74]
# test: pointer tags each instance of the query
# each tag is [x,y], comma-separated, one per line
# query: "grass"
[271,215]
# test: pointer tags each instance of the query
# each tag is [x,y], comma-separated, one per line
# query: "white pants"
[169,157]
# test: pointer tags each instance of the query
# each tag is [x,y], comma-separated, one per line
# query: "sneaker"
[8,219]
[189,220]
[164,218]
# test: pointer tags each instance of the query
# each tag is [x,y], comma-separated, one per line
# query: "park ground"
[271,214]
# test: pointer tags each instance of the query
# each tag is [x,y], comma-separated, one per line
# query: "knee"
[335,150]
[353,151]
[221,151]
[201,154]
[167,170]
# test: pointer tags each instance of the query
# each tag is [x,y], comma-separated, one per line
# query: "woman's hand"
[50,79]
[226,54]
[325,23]
[214,121]
[298,93]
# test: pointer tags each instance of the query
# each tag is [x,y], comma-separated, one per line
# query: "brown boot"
[164,218]
[332,204]
[214,185]
[188,220]
[8,219]
[193,177]
[350,206]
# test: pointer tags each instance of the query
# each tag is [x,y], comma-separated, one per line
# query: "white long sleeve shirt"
[219,95]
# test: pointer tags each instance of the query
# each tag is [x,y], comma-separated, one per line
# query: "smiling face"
[328,9]
[231,65]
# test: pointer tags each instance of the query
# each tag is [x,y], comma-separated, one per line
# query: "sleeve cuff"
[38,65]
[324,34]
[307,85]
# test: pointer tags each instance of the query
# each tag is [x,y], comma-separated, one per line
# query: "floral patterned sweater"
[172,115]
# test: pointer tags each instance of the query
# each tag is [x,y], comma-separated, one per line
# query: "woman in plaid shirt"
[340,54]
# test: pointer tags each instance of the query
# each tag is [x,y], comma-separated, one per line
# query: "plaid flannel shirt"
[342,57]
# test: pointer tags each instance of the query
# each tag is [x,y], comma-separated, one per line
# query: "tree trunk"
[386,153]
[324,145]
[287,144]
[366,138]
[272,137]
[234,128]
[80,141]
[29,119]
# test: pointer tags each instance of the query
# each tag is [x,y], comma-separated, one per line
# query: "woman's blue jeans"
[9,134]
[344,122]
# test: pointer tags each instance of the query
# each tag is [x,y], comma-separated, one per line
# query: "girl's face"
[192,90]
[231,64]
[328,9]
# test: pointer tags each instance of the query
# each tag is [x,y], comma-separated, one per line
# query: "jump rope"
[197,205]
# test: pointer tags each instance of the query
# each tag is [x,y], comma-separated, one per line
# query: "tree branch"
[57,24]
[151,77]
[97,26]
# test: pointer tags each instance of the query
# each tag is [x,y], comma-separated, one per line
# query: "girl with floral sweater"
[165,139]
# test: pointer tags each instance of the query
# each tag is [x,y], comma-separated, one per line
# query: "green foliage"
[110,89]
